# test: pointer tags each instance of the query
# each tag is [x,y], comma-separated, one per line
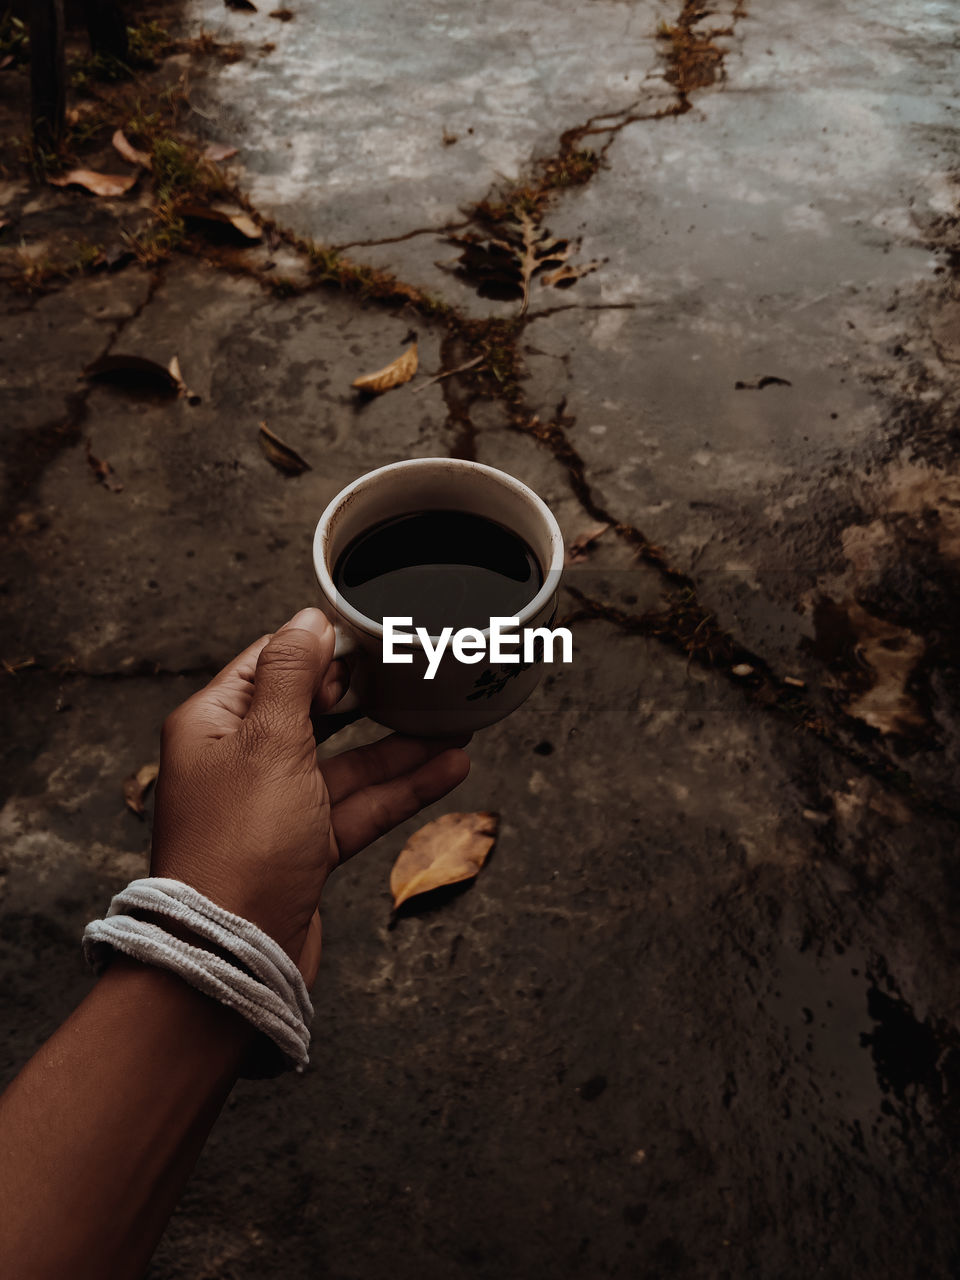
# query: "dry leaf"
[137,785]
[395,374]
[284,15]
[101,184]
[235,218]
[134,371]
[505,255]
[218,152]
[582,545]
[173,368]
[102,470]
[283,457]
[130,152]
[448,373]
[446,851]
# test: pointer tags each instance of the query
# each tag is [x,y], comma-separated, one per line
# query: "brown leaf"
[565,275]
[508,253]
[134,371]
[584,543]
[218,152]
[283,15]
[173,368]
[395,374]
[102,470]
[137,785]
[283,457]
[235,218]
[101,184]
[130,152]
[446,851]
[6,61]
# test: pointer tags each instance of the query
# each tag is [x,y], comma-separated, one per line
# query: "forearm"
[101,1129]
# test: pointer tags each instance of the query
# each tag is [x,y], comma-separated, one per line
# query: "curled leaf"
[283,457]
[446,851]
[129,151]
[223,216]
[135,371]
[394,374]
[100,184]
[173,368]
[137,785]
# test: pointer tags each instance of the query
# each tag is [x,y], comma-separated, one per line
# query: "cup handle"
[345,644]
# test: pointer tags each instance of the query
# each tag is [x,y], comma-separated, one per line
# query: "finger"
[371,812]
[289,675]
[219,707]
[380,762]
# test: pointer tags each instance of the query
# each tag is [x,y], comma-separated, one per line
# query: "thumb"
[289,675]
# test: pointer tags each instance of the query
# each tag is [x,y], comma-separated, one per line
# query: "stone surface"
[698,1016]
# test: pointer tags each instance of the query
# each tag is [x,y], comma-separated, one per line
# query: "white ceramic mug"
[460,697]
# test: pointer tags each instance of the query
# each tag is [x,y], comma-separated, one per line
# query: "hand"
[244,812]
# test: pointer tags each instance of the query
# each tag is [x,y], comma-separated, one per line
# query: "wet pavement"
[698,1017]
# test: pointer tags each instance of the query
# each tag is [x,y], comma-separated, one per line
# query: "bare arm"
[101,1129]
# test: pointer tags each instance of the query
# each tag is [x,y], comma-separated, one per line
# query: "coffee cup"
[462,694]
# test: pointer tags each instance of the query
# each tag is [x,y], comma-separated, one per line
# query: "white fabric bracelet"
[268,991]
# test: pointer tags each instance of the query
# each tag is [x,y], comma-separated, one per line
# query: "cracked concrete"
[698,1016]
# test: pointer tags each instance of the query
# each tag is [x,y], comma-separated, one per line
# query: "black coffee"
[441,568]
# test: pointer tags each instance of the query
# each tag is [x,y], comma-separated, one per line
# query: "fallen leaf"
[132,370]
[566,275]
[283,15]
[502,258]
[173,368]
[283,457]
[137,785]
[448,373]
[446,851]
[101,184]
[130,152]
[102,470]
[235,218]
[394,374]
[582,545]
[244,6]
[218,152]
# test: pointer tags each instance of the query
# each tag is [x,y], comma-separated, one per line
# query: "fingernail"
[308,620]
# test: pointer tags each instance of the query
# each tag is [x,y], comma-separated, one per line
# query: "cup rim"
[360,621]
